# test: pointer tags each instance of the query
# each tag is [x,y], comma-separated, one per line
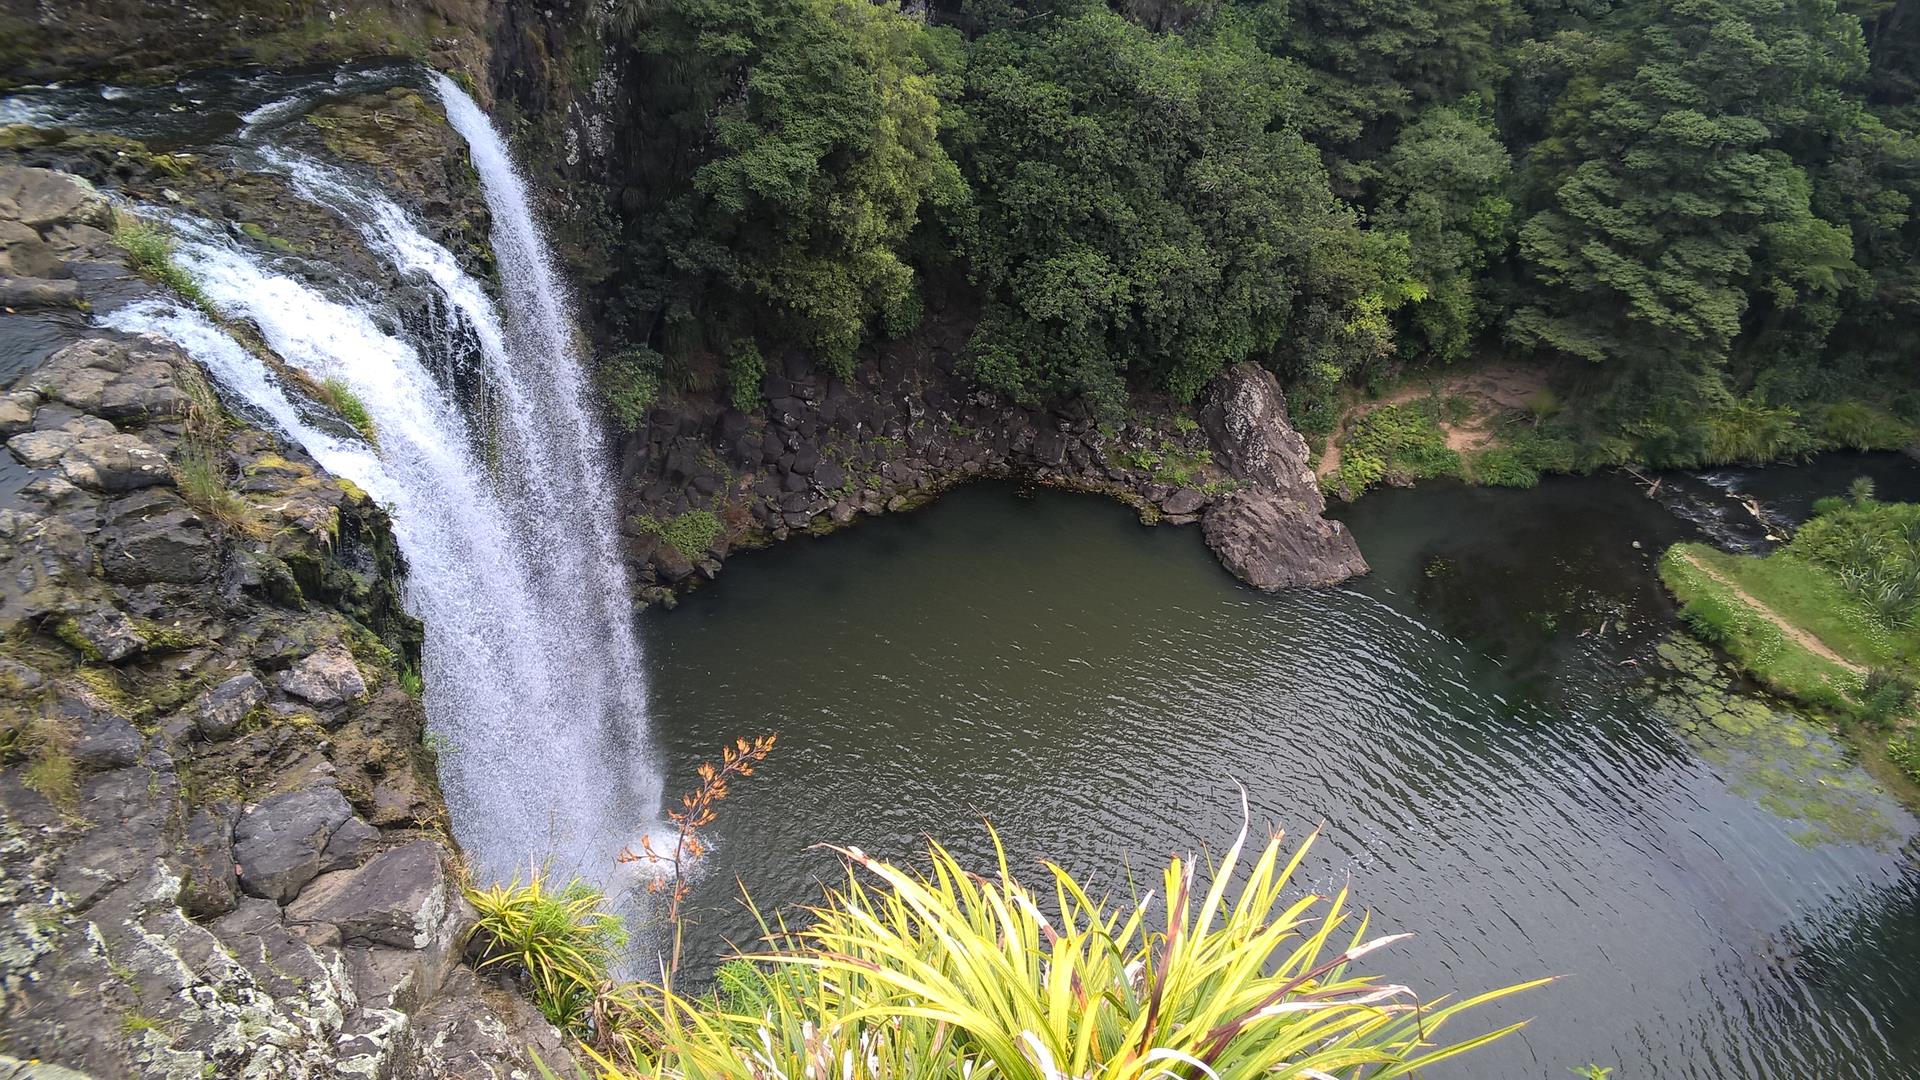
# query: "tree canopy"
[1712,202]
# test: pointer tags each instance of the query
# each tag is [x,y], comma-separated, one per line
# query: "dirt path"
[1492,392]
[1798,636]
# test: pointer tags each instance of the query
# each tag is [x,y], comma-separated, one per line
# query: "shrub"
[149,249]
[1358,471]
[561,943]
[690,534]
[1856,425]
[950,973]
[1542,404]
[1904,749]
[630,383]
[745,369]
[1747,430]
[1522,461]
[1394,442]
[1872,547]
[1884,696]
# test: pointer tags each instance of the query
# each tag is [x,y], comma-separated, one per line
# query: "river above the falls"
[1507,750]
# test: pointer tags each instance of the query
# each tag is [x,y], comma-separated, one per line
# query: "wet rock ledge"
[222,851]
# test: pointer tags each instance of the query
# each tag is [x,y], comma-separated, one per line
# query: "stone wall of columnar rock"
[819,452]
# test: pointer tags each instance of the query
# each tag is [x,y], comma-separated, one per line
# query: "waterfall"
[492,464]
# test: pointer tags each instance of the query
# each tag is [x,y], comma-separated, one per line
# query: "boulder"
[46,198]
[1269,532]
[25,294]
[115,463]
[102,633]
[106,741]
[829,475]
[349,844]
[1183,501]
[208,885]
[1245,415]
[218,711]
[173,547]
[1271,542]
[326,679]
[24,254]
[281,844]
[16,412]
[398,899]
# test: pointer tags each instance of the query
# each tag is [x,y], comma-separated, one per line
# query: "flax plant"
[951,974]
[697,811]
[561,941]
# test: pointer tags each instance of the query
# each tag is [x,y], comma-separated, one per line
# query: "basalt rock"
[166,670]
[1270,531]
[281,844]
[326,679]
[907,425]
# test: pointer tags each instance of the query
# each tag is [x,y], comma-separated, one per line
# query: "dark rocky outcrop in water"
[825,452]
[1270,531]
[222,851]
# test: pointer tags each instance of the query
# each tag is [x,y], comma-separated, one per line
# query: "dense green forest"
[1700,213]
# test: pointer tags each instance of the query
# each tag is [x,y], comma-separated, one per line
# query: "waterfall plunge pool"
[1485,730]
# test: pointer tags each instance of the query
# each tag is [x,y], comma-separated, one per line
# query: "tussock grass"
[200,475]
[47,746]
[341,399]
[948,973]
[149,249]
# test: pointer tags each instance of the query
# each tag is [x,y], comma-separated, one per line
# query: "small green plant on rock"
[630,383]
[200,475]
[745,370]
[47,747]
[341,399]
[134,1023]
[690,534]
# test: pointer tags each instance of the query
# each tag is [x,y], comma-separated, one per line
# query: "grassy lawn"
[1811,597]
[1805,595]
[1813,600]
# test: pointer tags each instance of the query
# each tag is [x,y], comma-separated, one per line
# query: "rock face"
[1270,531]
[906,426]
[220,848]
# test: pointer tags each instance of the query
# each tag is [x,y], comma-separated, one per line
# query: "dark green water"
[1477,726]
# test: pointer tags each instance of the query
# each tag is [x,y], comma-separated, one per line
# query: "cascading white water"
[506,514]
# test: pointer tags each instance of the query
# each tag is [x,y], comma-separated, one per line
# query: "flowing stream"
[499,485]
